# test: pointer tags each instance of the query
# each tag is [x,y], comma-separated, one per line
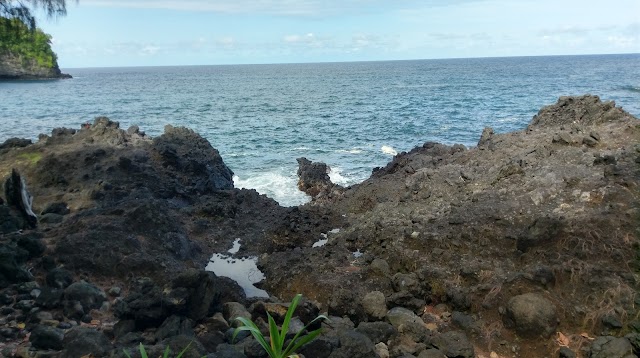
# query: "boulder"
[375,305]
[454,344]
[82,341]
[532,315]
[354,345]
[611,347]
[88,295]
[59,278]
[377,331]
[46,337]
[398,316]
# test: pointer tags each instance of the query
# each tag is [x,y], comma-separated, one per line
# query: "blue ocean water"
[353,116]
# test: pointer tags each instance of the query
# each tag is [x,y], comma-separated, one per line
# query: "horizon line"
[356,61]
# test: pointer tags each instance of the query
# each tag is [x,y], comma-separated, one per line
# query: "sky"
[114,33]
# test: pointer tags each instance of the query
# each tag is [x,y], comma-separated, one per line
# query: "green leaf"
[143,353]
[274,335]
[298,342]
[166,352]
[289,315]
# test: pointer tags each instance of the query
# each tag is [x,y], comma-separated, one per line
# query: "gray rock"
[612,322]
[233,310]
[59,278]
[565,352]
[432,353]
[174,326]
[80,341]
[216,323]
[354,345]
[379,267]
[59,208]
[487,133]
[532,315]
[377,331]
[45,337]
[320,347]
[227,351]
[589,141]
[611,347]
[407,282]
[123,327]
[375,305]
[398,316]
[87,294]
[454,344]
[51,218]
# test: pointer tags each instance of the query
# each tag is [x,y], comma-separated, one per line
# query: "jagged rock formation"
[13,67]
[446,251]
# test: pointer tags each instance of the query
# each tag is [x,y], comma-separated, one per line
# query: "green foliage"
[275,348]
[17,39]
[21,10]
[167,351]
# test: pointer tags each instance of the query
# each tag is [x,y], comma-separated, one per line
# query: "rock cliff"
[14,67]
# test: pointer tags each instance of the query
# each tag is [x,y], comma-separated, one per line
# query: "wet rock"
[398,316]
[377,331]
[354,345]
[45,337]
[81,341]
[611,347]
[454,344]
[375,305]
[313,178]
[59,278]
[532,315]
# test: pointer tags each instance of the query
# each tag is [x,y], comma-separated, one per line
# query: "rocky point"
[523,246]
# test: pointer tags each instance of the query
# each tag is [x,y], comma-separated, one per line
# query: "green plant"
[275,348]
[143,352]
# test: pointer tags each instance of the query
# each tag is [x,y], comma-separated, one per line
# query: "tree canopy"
[26,43]
[23,10]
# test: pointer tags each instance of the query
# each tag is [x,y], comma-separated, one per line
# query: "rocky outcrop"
[14,67]
[520,245]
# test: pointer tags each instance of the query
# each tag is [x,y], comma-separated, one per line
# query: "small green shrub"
[275,348]
[167,351]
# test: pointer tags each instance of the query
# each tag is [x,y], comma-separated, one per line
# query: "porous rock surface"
[425,258]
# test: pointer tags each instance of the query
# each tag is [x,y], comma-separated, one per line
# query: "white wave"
[388,150]
[335,174]
[283,189]
[350,151]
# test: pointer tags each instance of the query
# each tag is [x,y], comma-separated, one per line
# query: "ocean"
[352,116]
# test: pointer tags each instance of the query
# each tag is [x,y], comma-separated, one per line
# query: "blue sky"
[105,33]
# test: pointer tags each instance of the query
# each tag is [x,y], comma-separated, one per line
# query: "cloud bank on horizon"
[100,33]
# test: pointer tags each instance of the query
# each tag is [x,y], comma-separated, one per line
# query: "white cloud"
[624,42]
